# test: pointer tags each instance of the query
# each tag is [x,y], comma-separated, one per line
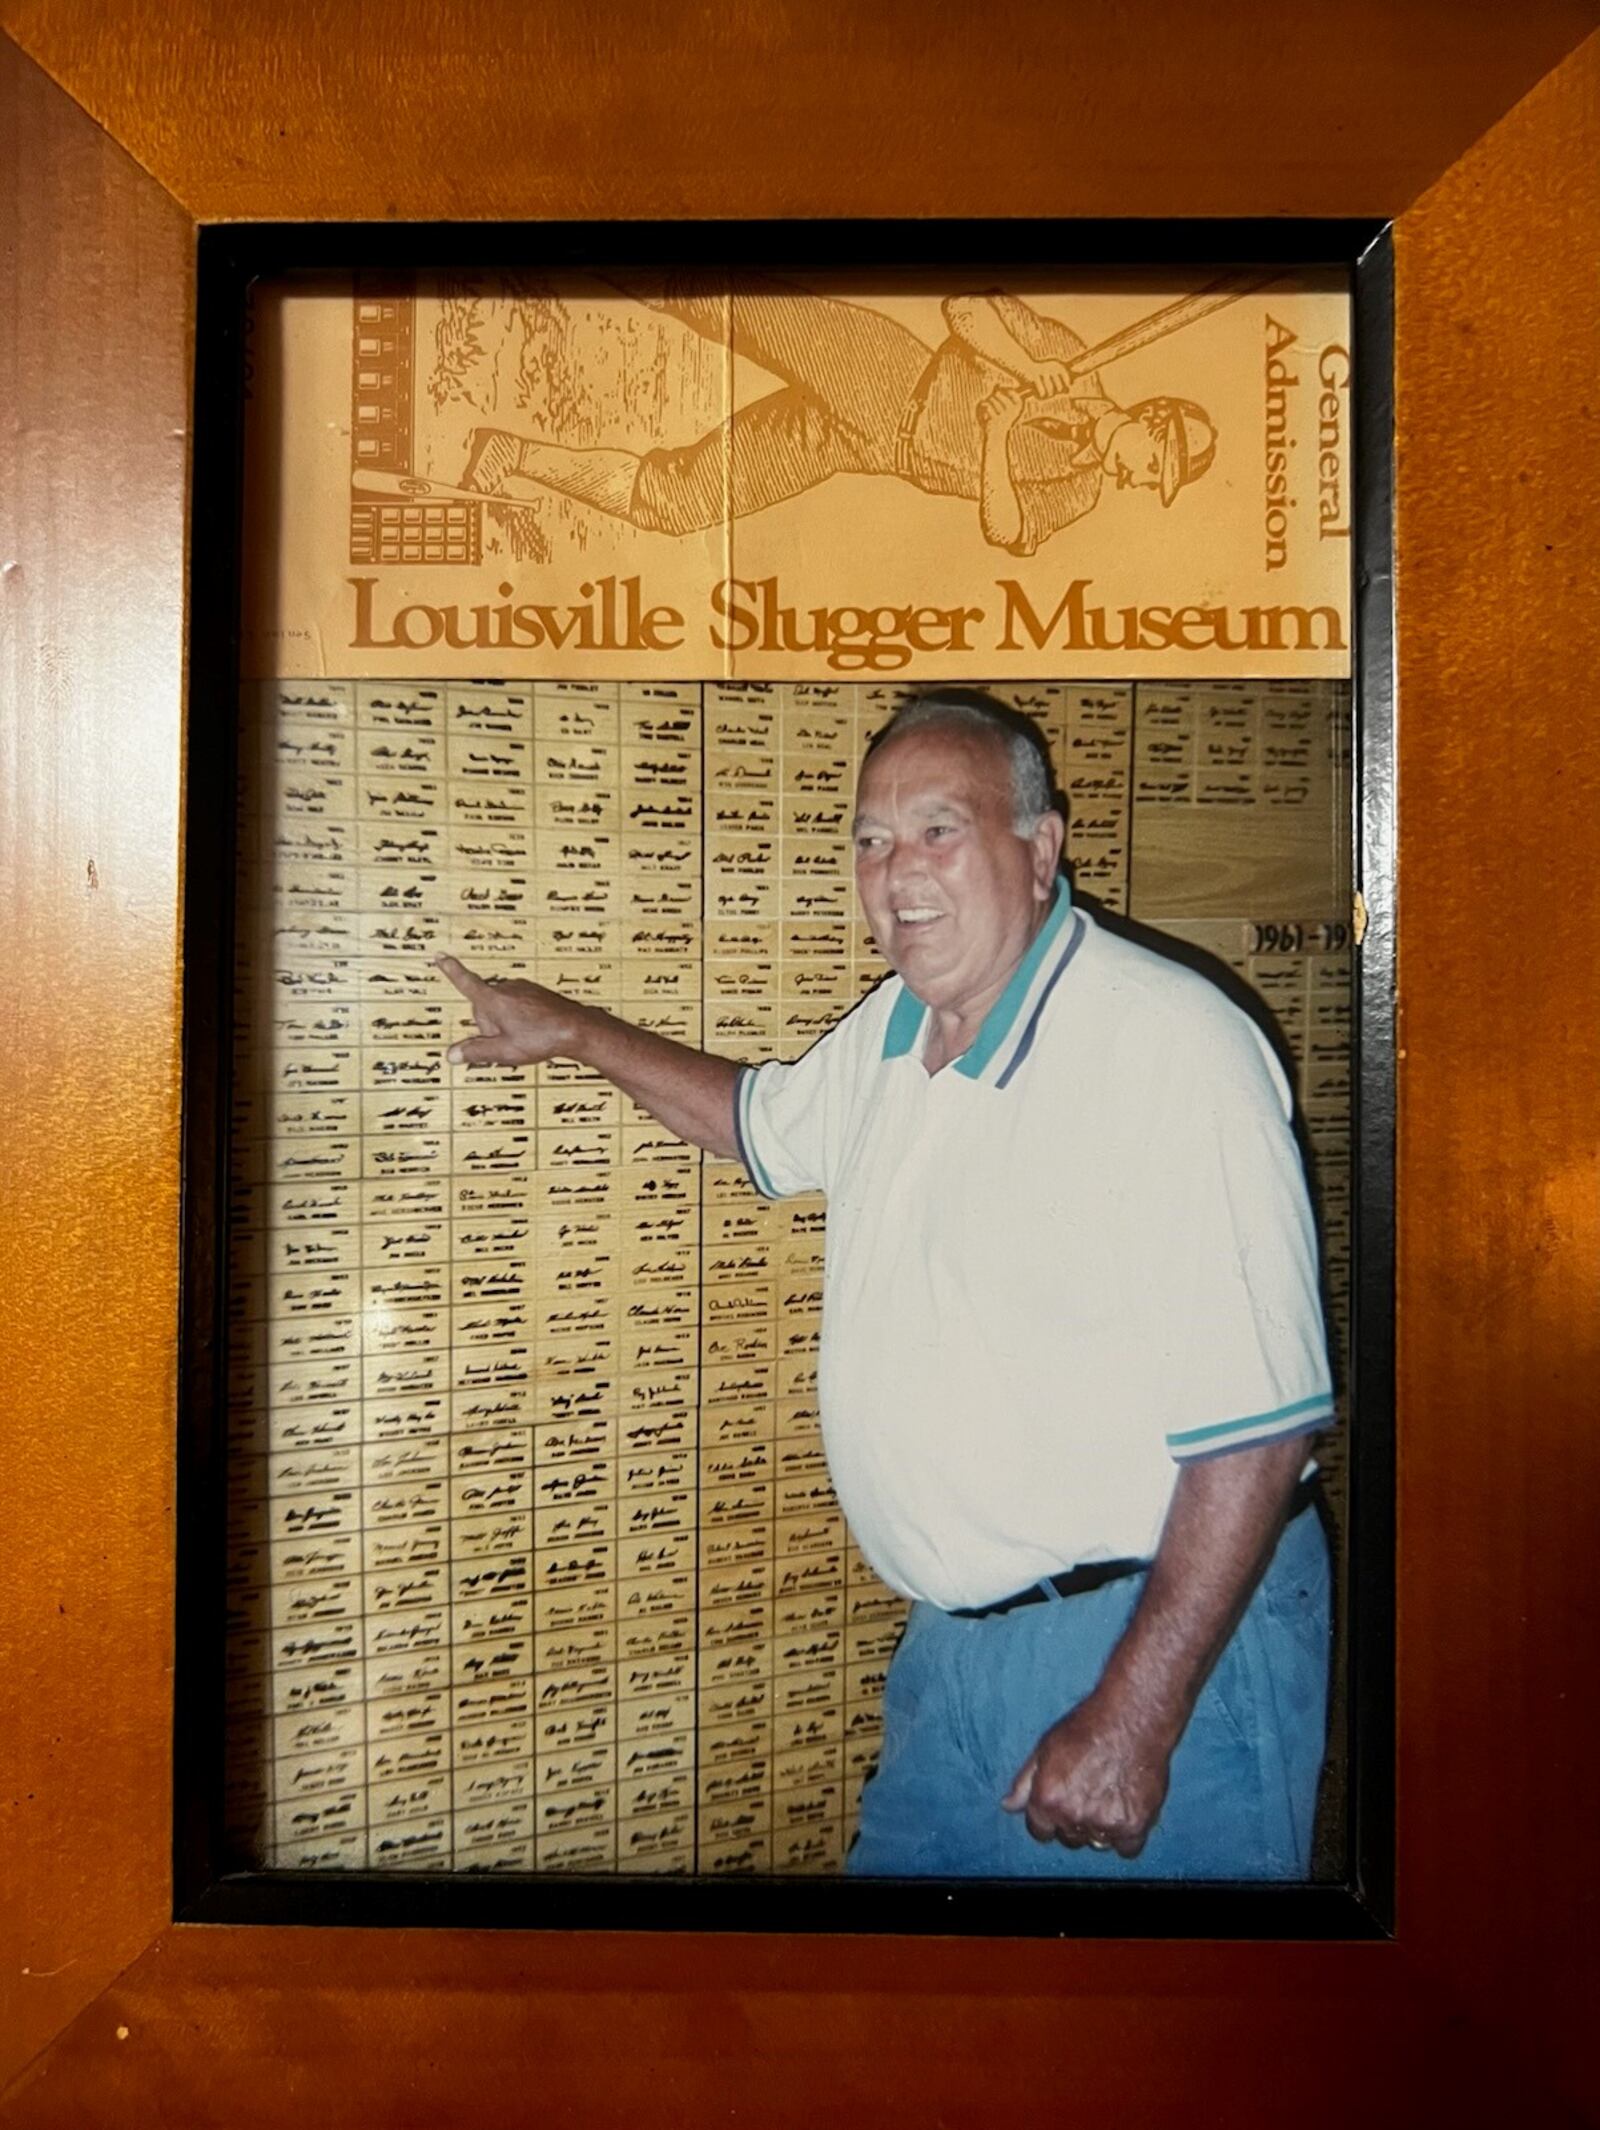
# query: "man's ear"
[1048,836]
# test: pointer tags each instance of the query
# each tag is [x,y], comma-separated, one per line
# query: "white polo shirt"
[1079,1255]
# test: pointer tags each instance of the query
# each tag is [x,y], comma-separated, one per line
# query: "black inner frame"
[205,1887]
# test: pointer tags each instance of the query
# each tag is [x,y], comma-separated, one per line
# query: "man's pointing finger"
[460,975]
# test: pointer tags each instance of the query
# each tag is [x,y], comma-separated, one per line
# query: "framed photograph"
[1436,1956]
[572,584]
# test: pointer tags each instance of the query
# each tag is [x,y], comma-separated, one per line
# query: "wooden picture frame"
[1476,2002]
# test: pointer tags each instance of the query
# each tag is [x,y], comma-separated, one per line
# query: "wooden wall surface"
[1478,2011]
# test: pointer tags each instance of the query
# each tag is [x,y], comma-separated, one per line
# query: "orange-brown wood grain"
[1498,478]
[93,311]
[1478,2012]
[411,2030]
[478,109]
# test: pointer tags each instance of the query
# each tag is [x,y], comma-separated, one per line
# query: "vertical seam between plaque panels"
[261,946]
[727,501]
[766,1756]
[696,1611]
[1134,688]
[453,1671]
[358,876]
[447,704]
[618,1460]
[538,1343]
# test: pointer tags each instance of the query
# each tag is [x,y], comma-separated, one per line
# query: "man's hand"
[1100,1775]
[523,1024]
[1092,1778]
[518,1023]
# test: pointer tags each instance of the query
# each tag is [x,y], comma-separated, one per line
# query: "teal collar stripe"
[905,1020]
[908,1013]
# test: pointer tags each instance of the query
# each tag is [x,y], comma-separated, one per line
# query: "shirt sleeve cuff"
[1304,1417]
[744,1088]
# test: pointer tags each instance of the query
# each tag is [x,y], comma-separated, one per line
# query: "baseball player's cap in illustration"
[1188,441]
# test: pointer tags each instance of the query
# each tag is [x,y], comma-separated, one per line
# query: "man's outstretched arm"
[1100,1774]
[520,1023]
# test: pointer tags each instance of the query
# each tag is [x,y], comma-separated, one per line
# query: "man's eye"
[942,828]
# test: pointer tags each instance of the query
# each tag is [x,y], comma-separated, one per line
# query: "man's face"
[1133,456]
[953,894]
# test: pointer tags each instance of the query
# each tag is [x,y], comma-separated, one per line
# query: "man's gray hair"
[972,710]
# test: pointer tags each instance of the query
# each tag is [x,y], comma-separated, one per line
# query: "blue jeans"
[967,1700]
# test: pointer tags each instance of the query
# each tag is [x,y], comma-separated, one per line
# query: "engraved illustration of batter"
[1006,412]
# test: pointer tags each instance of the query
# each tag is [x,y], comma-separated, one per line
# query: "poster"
[629,478]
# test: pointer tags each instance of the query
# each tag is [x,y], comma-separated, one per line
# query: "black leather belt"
[1094,1575]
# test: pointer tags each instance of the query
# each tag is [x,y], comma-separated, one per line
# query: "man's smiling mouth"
[917,915]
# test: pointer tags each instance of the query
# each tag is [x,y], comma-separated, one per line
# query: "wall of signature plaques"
[534,1564]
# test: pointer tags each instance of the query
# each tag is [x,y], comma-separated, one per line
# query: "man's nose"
[899,863]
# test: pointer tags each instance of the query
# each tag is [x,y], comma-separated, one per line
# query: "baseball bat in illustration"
[369,486]
[1171,319]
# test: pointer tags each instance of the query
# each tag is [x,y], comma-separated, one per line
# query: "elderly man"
[1071,1345]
